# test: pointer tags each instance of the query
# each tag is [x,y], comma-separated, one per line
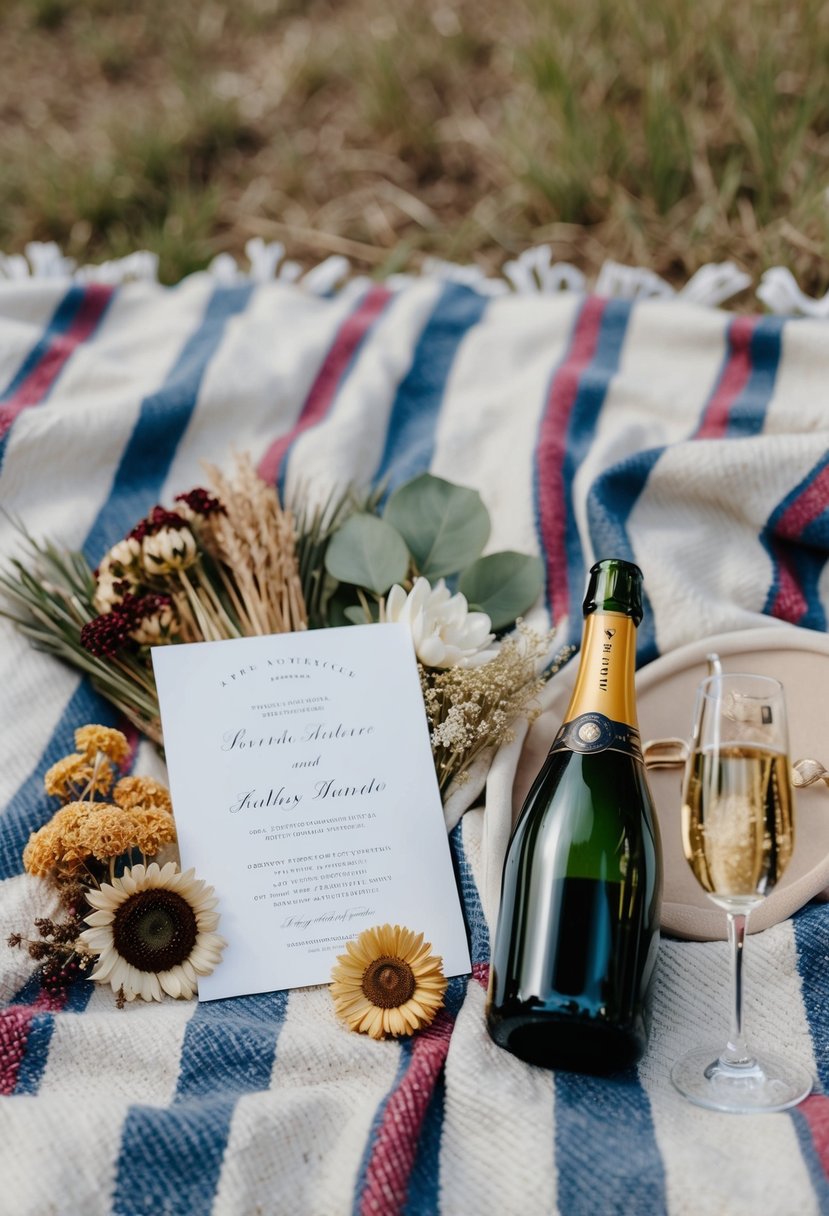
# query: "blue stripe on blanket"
[59,323]
[422,1193]
[144,465]
[811,926]
[748,412]
[615,493]
[41,1029]
[593,387]
[576,393]
[376,1123]
[795,537]
[473,912]
[28,808]
[171,1158]
[162,421]
[423,1198]
[616,1113]
[811,1158]
[410,439]
[611,500]
[810,930]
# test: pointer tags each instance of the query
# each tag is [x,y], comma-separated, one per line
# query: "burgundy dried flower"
[201,502]
[108,633]
[157,519]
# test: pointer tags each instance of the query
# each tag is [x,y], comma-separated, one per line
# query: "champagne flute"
[738,835]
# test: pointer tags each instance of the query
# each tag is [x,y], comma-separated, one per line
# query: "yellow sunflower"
[154,932]
[387,983]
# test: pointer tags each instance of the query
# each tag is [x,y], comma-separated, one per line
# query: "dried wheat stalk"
[254,542]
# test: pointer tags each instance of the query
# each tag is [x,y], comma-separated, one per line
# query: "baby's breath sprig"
[473,709]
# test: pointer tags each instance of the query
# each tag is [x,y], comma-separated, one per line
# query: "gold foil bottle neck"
[605,680]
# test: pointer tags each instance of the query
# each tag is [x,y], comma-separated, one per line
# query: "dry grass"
[664,135]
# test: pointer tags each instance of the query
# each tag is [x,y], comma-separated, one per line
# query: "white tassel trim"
[533,271]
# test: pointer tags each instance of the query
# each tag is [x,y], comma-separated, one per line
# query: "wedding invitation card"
[304,791]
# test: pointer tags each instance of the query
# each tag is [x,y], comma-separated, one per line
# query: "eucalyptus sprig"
[434,529]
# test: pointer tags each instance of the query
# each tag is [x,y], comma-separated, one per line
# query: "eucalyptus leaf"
[445,526]
[367,552]
[340,605]
[356,615]
[504,585]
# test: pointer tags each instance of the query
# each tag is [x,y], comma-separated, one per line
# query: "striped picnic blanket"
[689,439]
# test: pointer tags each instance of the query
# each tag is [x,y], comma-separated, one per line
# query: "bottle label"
[593,732]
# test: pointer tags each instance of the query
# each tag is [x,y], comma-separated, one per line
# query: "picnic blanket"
[687,438]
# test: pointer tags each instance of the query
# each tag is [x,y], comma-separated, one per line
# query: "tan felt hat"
[666,691]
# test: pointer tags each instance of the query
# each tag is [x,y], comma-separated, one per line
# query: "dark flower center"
[388,982]
[154,930]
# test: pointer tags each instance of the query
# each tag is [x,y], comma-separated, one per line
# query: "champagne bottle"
[578,927]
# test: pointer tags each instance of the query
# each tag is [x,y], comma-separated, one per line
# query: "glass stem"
[737,1052]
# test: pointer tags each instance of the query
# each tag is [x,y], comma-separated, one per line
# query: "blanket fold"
[689,440]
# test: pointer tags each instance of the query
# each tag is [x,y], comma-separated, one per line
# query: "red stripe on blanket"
[815,1111]
[43,375]
[480,972]
[790,604]
[324,388]
[733,380]
[395,1147]
[15,1024]
[552,451]
[806,507]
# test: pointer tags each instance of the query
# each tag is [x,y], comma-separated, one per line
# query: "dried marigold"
[144,792]
[92,739]
[105,831]
[153,829]
[75,774]
[82,830]
[40,856]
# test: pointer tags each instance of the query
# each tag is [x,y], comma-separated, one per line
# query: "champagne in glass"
[738,836]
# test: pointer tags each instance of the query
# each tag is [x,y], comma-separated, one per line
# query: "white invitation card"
[304,791]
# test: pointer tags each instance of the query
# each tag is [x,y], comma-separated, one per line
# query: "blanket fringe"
[533,271]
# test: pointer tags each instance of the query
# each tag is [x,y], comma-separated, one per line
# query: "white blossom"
[444,631]
[168,549]
[116,569]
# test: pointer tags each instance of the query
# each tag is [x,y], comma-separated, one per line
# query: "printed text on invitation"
[304,792]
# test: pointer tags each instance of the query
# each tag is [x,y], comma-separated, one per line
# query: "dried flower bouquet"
[232,561]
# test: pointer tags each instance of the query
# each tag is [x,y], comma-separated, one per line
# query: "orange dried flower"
[72,775]
[81,830]
[142,791]
[153,829]
[93,739]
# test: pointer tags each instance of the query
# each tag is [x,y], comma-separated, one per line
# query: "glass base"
[766,1084]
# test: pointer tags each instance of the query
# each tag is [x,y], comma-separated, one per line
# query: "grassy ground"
[664,134]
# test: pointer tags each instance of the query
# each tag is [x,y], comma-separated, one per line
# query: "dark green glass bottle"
[578,928]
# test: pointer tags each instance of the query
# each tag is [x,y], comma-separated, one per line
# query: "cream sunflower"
[154,932]
[387,983]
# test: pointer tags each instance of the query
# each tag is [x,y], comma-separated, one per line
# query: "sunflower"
[387,983]
[153,930]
